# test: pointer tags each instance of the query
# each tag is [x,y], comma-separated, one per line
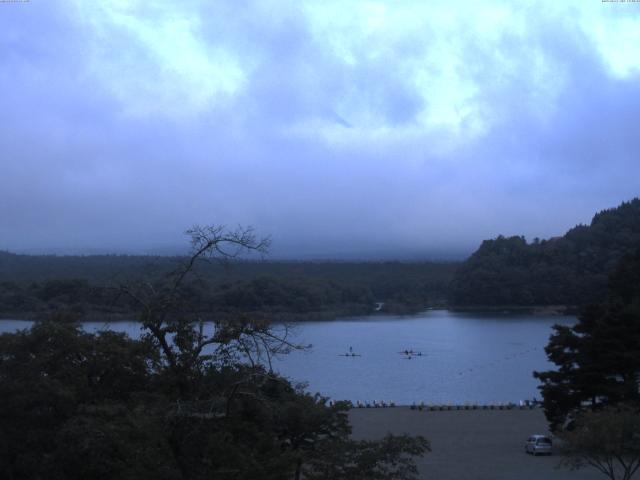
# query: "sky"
[340,129]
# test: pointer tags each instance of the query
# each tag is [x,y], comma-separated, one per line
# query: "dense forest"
[89,286]
[568,270]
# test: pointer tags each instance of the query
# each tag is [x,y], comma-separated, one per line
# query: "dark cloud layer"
[340,130]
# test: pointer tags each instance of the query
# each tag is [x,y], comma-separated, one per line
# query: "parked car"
[538,445]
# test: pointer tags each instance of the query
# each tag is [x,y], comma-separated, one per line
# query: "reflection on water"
[466,357]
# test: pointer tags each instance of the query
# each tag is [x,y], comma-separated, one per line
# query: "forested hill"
[568,270]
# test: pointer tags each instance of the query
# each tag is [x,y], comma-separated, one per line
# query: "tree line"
[87,286]
[568,270]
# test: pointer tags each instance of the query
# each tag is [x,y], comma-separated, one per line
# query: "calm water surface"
[466,357]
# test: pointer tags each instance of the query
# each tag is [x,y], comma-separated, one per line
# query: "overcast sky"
[339,128]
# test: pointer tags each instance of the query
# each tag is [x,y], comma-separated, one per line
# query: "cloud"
[154,60]
[337,126]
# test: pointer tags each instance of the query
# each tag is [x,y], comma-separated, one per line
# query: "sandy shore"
[470,444]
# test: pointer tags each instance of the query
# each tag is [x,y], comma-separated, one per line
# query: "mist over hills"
[278,252]
[506,271]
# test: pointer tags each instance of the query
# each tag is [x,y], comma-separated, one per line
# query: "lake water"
[466,357]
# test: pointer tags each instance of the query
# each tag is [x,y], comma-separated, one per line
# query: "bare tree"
[187,343]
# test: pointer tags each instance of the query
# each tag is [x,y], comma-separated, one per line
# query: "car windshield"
[544,441]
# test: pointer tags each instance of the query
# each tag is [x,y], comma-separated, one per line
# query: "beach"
[470,444]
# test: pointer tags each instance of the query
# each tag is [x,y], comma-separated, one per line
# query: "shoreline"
[560,310]
[291,317]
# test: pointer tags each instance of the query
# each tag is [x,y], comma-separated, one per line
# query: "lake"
[466,357]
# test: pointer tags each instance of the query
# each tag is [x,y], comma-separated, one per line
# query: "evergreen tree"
[598,359]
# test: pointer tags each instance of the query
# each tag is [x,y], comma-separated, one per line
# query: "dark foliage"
[598,359]
[568,270]
[607,440]
[181,403]
[33,287]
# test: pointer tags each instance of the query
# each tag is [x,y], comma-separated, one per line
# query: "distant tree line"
[87,286]
[568,270]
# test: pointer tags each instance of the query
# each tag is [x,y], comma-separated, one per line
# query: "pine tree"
[598,359]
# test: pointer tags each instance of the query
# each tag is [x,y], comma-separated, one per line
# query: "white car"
[538,445]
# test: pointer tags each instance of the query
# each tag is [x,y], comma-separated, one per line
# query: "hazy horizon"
[340,129]
[301,252]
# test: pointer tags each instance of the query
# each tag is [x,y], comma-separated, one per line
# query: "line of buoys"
[523,405]
[375,404]
[448,407]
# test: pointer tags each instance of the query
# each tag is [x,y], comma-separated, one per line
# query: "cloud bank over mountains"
[338,128]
